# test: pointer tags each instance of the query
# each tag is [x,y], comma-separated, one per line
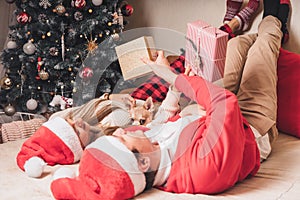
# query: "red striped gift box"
[206,50]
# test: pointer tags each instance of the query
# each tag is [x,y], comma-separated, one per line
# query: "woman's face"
[82,129]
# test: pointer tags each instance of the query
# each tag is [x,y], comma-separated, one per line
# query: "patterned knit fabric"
[246,15]
[156,87]
[232,8]
[20,129]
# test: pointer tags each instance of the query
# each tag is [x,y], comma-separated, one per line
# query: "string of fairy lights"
[30,48]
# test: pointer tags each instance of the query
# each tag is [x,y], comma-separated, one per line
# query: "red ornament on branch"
[23,18]
[39,65]
[78,3]
[86,73]
[127,10]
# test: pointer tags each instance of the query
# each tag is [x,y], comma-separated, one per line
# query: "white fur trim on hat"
[62,129]
[126,159]
[64,172]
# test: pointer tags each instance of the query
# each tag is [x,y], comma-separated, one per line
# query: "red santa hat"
[55,142]
[108,170]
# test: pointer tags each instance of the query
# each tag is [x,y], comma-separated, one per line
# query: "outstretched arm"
[161,67]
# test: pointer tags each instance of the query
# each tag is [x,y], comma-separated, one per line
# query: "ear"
[144,163]
[131,105]
[149,105]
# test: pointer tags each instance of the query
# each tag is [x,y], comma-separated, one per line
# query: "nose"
[135,123]
[119,132]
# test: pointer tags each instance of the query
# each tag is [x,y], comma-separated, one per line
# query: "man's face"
[135,140]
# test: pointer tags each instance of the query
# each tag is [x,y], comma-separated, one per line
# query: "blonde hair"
[93,114]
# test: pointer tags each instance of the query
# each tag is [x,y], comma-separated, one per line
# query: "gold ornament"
[60,9]
[91,46]
[43,75]
[5,83]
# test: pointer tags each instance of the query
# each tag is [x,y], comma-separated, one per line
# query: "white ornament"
[29,48]
[97,2]
[62,101]
[31,104]
[63,47]
[45,4]
[11,45]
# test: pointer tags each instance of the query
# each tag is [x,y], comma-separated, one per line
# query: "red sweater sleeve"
[210,155]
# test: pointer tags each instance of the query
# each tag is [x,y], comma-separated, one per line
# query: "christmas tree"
[47,49]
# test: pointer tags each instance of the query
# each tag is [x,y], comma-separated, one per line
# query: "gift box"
[206,50]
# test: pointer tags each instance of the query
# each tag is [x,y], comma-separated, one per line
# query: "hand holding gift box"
[206,50]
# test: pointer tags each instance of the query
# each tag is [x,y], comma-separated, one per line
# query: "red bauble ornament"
[23,18]
[86,73]
[127,10]
[78,3]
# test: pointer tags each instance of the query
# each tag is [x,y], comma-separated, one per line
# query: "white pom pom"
[63,172]
[34,167]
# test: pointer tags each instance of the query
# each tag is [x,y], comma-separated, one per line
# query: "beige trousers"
[251,73]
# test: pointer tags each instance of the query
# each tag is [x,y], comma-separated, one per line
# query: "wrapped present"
[206,50]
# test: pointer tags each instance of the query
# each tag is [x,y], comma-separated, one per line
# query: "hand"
[161,67]
[188,71]
[161,59]
[123,98]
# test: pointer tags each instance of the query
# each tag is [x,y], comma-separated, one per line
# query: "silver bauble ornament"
[11,44]
[31,104]
[29,48]
[9,110]
[97,2]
